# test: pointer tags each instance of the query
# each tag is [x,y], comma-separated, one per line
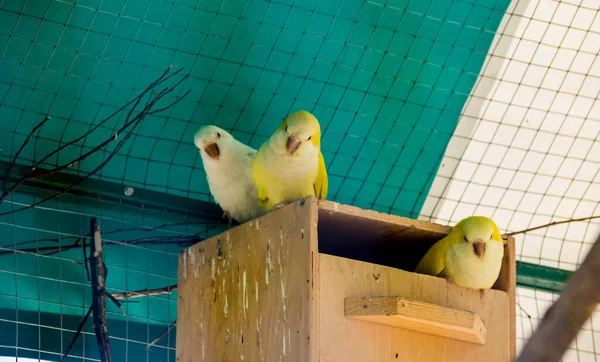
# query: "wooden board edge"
[315,320]
[512,295]
[178,338]
[335,207]
[399,312]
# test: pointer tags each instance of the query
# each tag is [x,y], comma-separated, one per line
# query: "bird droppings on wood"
[256,288]
[226,307]
[184,262]
[227,335]
[302,232]
[229,248]
[244,294]
[284,344]
[257,224]
[281,278]
[213,269]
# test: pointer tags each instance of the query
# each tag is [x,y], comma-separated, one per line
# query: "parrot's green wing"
[434,261]
[321,183]
[259,179]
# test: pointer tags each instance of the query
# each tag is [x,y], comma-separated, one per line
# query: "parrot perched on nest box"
[228,163]
[470,256]
[290,166]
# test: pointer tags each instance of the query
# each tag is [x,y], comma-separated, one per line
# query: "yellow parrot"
[290,166]
[470,256]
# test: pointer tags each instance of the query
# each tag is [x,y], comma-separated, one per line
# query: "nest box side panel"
[248,293]
[347,339]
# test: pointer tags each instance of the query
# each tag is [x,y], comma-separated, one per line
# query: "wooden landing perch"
[418,316]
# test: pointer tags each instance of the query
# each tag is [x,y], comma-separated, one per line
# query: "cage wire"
[388,81]
[45,293]
[526,150]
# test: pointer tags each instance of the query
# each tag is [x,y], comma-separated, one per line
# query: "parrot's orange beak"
[212,150]
[292,144]
[479,248]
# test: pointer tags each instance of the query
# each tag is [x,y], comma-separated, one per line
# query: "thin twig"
[115,301]
[162,335]
[133,123]
[146,292]
[553,224]
[16,156]
[87,315]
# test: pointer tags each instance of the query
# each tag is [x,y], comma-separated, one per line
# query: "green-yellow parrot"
[470,256]
[289,166]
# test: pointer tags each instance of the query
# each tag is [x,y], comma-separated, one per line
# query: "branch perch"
[566,316]
[130,124]
[146,292]
[98,271]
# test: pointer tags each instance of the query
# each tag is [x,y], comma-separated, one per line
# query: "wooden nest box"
[319,281]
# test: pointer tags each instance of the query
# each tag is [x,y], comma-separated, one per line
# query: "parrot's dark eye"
[309,138]
[466,240]
[286,128]
[218,135]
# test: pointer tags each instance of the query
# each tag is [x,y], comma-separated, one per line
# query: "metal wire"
[525,150]
[44,297]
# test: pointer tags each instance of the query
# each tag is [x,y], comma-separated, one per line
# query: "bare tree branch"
[146,292]
[162,335]
[77,333]
[97,269]
[129,126]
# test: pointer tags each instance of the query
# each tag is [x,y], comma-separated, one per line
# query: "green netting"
[387,80]
[45,296]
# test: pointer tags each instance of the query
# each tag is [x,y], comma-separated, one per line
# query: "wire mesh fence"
[526,149]
[389,82]
[46,292]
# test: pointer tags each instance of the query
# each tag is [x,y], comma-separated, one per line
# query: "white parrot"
[228,164]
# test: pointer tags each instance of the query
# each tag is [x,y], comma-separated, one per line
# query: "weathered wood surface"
[417,316]
[344,339]
[249,293]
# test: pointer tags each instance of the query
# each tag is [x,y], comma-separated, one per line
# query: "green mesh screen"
[386,79]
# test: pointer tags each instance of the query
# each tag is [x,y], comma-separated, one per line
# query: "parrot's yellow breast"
[283,178]
[467,270]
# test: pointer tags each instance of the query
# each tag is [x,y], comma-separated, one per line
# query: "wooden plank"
[417,316]
[246,294]
[344,339]
[314,307]
[507,281]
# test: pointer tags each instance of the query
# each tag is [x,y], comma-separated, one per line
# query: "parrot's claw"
[279,206]
[230,223]
[448,279]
